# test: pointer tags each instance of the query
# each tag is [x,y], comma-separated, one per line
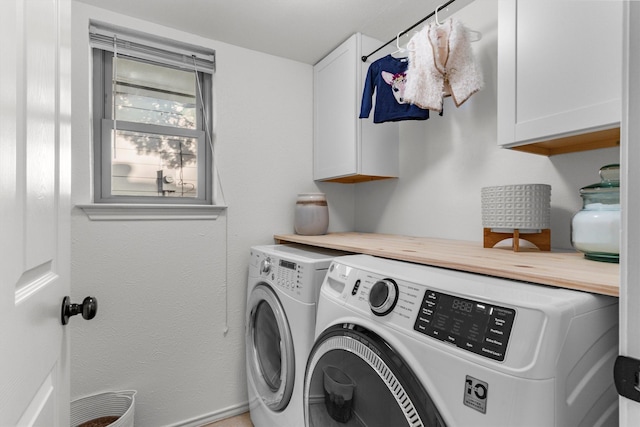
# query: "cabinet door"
[559,69]
[335,113]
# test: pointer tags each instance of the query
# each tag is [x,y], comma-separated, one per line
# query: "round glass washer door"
[269,344]
[385,392]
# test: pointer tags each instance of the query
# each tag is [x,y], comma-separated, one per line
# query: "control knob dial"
[383,297]
[265,266]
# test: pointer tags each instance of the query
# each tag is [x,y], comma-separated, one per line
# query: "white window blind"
[151,48]
[152,108]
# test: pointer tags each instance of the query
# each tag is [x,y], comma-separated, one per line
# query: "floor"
[241,420]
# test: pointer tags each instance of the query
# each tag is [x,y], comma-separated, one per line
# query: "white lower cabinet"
[559,74]
[345,148]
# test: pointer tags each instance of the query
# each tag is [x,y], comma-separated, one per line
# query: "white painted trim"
[228,412]
[630,203]
[140,212]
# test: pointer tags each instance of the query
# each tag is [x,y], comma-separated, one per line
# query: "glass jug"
[595,229]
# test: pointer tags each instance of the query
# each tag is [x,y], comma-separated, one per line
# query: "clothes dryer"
[283,287]
[400,344]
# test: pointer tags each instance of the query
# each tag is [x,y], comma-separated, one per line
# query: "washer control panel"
[297,273]
[286,274]
[474,326]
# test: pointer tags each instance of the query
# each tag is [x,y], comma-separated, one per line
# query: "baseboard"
[228,412]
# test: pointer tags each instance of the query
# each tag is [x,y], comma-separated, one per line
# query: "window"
[152,119]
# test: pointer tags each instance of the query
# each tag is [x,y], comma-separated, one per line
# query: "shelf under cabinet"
[575,143]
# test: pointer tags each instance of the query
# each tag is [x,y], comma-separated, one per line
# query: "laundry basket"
[119,404]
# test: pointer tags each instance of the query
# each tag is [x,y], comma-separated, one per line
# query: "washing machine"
[283,287]
[401,344]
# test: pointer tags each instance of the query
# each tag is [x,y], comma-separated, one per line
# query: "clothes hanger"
[476,35]
[436,15]
[400,49]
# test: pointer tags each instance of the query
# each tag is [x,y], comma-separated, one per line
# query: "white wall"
[445,161]
[161,284]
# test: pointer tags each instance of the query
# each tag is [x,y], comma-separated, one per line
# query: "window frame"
[103,124]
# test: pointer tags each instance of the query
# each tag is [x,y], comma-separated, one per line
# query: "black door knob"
[88,309]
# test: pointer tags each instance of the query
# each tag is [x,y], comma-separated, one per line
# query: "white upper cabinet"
[559,75]
[345,148]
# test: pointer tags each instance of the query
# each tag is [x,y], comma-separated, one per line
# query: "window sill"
[139,212]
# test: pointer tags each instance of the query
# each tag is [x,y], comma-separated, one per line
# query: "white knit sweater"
[441,62]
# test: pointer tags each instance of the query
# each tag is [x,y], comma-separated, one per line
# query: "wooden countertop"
[561,269]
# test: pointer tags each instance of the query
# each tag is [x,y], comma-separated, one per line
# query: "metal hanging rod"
[442,6]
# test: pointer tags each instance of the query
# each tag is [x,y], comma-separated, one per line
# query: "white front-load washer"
[282,293]
[400,344]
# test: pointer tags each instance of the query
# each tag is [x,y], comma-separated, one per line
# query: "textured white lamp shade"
[521,206]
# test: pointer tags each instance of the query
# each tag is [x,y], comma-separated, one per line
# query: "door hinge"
[626,376]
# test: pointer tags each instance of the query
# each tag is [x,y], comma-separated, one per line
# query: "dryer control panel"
[294,270]
[474,326]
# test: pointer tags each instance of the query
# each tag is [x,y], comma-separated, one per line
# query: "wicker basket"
[120,404]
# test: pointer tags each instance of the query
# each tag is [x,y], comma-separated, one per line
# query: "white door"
[630,199]
[34,208]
